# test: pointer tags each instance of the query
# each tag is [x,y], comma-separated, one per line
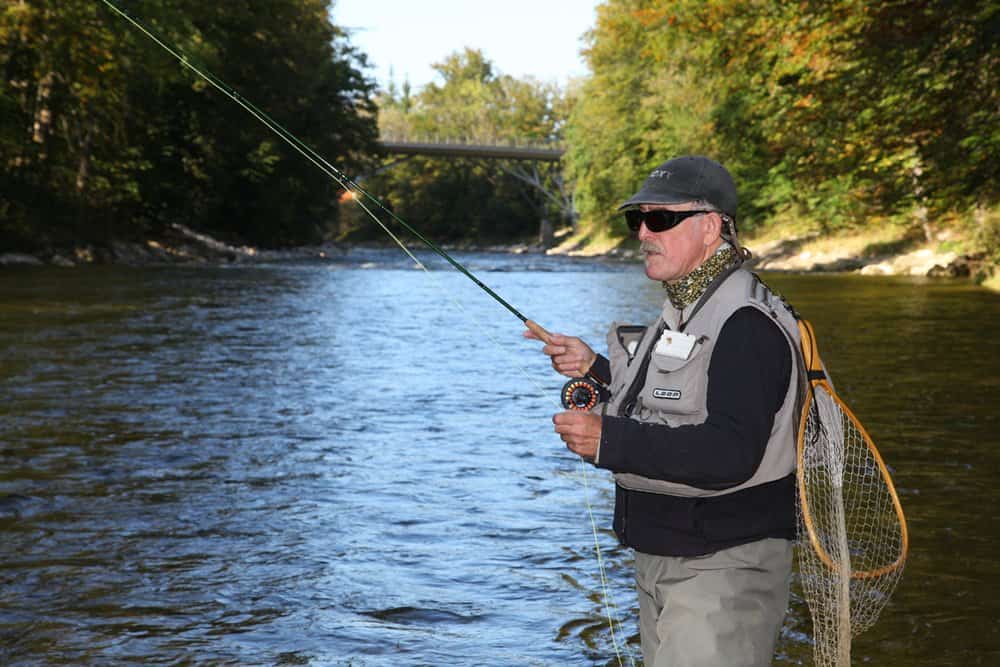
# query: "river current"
[352,463]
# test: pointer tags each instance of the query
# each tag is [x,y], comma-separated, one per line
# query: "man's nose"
[644,232]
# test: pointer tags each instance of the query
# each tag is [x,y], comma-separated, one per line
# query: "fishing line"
[610,607]
[306,151]
[354,189]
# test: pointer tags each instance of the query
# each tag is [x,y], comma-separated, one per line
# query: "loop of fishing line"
[610,607]
[354,189]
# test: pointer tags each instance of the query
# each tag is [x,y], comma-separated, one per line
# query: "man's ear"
[712,227]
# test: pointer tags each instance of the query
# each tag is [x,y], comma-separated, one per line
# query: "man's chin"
[657,267]
[650,267]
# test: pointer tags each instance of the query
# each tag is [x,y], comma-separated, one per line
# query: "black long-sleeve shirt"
[748,378]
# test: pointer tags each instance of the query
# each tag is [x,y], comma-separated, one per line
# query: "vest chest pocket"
[623,343]
[677,386]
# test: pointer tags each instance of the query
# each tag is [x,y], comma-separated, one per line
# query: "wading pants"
[720,610]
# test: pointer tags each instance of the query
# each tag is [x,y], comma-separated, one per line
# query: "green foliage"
[839,112]
[987,233]
[831,115]
[467,199]
[103,134]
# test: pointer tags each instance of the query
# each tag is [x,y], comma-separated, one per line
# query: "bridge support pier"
[546,234]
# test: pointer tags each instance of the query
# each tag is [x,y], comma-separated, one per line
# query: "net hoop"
[883,471]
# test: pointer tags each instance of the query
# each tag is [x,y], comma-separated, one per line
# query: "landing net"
[853,537]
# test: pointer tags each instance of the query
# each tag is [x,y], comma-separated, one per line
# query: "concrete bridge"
[521,162]
[543,153]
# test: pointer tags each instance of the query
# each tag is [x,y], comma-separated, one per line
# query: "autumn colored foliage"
[839,112]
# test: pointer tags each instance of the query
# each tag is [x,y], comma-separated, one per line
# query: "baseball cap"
[688,178]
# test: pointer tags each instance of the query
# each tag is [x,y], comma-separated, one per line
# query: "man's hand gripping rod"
[582,393]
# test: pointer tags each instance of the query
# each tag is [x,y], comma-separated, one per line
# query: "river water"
[351,463]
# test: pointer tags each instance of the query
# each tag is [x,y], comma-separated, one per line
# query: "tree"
[107,136]
[839,112]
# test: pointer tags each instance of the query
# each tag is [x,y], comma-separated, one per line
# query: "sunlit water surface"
[351,463]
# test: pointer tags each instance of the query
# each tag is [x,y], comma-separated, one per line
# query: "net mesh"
[852,533]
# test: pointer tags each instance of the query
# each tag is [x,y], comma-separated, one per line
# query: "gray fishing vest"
[675,390]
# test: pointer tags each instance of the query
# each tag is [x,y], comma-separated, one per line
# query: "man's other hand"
[581,431]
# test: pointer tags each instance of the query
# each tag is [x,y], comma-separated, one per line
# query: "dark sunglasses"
[657,221]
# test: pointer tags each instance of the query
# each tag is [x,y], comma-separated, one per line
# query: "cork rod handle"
[537,329]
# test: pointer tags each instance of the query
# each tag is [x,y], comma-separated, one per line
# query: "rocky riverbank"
[177,245]
[812,253]
[809,254]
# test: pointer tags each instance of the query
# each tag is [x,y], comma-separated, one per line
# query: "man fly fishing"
[697,421]
[696,415]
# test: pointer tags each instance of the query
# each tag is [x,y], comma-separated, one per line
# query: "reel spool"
[580,394]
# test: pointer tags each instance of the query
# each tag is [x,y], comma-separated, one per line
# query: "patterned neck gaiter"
[688,289]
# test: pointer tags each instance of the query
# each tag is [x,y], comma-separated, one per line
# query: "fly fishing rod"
[577,394]
[333,172]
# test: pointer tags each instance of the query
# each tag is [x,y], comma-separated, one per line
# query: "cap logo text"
[661,173]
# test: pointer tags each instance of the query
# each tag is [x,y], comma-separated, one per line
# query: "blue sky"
[540,38]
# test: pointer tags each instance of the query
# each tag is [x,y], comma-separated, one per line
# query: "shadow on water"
[333,464]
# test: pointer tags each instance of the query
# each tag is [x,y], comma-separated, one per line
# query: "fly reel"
[580,394]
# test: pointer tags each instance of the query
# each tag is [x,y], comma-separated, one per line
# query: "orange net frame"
[853,536]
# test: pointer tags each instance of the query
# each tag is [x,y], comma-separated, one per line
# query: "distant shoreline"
[806,254]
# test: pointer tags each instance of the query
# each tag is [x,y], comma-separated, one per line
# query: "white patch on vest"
[672,394]
[675,344]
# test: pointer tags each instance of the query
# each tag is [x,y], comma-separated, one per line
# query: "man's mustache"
[647,246]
